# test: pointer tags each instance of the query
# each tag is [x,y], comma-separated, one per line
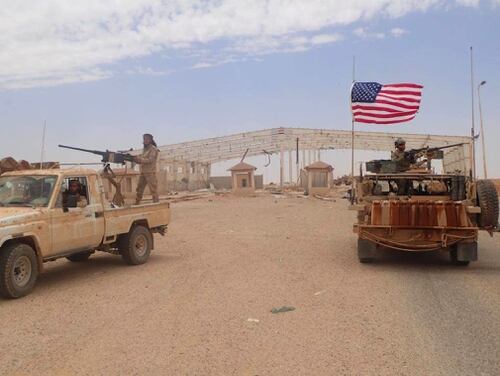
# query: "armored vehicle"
[412,209]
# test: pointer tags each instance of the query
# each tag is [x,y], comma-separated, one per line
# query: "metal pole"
[472,130]
[483,146]
[42,152]
[352,128]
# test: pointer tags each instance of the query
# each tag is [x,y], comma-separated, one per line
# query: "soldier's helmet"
[399,141]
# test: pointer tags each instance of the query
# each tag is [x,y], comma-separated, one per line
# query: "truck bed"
[119,220]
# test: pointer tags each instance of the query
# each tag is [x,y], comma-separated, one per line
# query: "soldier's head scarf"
[151,138]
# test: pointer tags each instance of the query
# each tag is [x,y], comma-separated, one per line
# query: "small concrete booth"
[319,178]
[243,178]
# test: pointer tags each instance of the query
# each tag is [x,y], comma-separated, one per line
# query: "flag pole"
[352,128]
[472,130]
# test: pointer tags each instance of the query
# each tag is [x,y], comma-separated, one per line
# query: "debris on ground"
[253,320]
[324,198]
[283,309]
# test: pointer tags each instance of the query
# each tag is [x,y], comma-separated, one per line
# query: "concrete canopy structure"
[277,140]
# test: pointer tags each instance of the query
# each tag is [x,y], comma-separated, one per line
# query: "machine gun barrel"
[436,148]
[107,156]
[97,152]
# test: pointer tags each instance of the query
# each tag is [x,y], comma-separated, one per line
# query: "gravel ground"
[201,306]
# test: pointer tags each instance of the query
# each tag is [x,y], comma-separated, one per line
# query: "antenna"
[42,152]
[472,130]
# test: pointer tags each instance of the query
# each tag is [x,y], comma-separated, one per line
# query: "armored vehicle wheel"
[18,270]
[488,201]
[366,251]
[454,259]
[79,257]
[462,254]
[135,247]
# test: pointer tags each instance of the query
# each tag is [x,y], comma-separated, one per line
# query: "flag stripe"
[406,99]
[416,86]
[374,103]
[392,121]
[400,92]
[383,114]
[375,108]
[376,117]
[381,103]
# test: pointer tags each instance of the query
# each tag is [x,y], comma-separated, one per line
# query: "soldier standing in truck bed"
[147,160]
[399,155]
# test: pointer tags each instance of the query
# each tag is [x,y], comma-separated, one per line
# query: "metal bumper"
[410,238]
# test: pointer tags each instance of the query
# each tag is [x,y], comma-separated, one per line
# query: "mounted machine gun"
[109,157]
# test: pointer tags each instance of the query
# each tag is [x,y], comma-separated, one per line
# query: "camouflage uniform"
[147,160]
[401,159]
[397,155]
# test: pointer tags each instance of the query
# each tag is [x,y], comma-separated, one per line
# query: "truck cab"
[42,219]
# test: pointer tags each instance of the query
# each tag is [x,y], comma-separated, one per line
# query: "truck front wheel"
[18,270]
[135,247]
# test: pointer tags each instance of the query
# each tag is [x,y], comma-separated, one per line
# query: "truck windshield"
[26,191]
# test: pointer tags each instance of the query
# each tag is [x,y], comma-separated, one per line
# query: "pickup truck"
[38,225]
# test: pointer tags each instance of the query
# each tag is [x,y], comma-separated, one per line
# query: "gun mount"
[413,159]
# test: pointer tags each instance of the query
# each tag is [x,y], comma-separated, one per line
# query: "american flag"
[385,104]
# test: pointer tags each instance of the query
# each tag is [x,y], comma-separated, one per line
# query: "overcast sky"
[101,73]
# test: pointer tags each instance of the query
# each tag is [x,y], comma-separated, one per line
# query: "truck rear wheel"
[488,201]
[18,270]
[79,257]
[135,247]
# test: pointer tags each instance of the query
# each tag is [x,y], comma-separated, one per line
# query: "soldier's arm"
[396,156]
[150,157]
[82,202]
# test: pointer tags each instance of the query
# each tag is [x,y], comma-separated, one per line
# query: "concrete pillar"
[319,154]
[303,158]
[297,167]
[282,167]
[309,161]
[290,166]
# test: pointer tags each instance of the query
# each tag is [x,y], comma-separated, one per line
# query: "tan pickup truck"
[38,223]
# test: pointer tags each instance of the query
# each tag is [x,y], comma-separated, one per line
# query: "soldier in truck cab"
[73,197]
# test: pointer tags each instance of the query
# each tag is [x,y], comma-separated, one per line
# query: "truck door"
[77,225]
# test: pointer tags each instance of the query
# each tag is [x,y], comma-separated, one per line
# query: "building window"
[179,170]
